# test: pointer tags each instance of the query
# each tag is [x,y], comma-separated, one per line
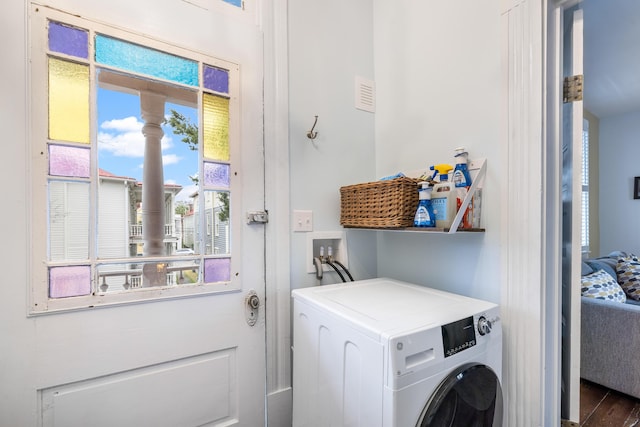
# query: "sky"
[121,143]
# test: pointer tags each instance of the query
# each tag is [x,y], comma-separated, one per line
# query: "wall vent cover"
[365,94]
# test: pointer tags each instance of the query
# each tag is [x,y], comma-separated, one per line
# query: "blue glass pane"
[216,175]
[216,79]
[139,59]
[68,40]
[234,2]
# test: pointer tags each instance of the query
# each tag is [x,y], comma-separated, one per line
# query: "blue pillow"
[600,265]
[586,269]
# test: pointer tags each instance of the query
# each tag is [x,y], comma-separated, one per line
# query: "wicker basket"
[380,204]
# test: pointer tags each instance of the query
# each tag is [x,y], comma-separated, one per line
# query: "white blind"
[585,186]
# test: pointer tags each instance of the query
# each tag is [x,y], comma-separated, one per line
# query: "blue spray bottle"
[425,216]
[461,177]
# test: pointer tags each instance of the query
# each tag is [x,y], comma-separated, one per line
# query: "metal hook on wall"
[311,134]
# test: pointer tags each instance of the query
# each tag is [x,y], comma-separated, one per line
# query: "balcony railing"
[135,231]
[132,279]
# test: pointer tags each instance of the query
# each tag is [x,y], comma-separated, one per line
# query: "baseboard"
[279,408]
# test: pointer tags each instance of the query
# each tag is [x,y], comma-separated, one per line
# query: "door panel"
[171,358]
[201,390]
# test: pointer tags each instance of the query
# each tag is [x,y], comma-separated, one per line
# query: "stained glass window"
[69,161]
[69,281]
[216,79]
[68,40]
[217,270]
[68,101]
[216,175]
[215,118]
[95,216]
[132,57]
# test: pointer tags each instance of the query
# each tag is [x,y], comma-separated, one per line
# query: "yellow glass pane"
[215,120]
[68,101]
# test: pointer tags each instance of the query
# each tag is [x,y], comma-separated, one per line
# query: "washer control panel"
[457,336]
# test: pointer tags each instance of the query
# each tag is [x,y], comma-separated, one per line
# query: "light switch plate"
[302,220]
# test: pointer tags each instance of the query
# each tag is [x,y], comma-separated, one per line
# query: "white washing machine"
[386,353]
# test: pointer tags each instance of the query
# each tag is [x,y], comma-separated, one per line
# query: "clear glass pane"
[215,79]
[68,40]
[217,270]
[140,274]
[216,228]
[139,59]
[215,119]
[68,221]
[68,101]
[121,152]
[136,275]
[69,281]
[216,174]
[69,161]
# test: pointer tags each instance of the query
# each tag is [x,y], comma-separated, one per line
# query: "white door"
[148,353]
[572,118]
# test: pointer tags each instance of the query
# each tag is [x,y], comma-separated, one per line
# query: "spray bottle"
[462,181]
[425,216]
[461,177]
[443,198]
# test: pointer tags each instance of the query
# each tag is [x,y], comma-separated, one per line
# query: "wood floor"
[601,407]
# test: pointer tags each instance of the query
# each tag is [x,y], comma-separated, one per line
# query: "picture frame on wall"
[636,187]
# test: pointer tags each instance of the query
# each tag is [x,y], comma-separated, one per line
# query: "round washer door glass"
[470,396]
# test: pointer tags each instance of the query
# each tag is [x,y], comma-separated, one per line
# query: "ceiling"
[611,56]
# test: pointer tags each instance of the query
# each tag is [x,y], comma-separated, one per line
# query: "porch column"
[152,109]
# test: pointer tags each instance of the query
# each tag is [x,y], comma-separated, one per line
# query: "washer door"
[470,396]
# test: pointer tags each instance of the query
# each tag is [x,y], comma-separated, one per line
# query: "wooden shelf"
[420,230]
[480,167]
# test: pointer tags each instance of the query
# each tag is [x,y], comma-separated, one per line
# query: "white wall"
[438,81]
[619,212]
[330,42]
[416,46]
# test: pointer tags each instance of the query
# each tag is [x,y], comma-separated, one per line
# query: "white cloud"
[170,159]
[128,124]
[170,182]
[185,194]
[124,138]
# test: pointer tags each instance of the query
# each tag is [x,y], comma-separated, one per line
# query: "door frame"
[554,56]
[532,211]
[279,394]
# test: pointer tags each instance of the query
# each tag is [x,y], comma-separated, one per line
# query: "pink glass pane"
[216,174]
[69,161]
[68,40]
[217,270]
[216,79]
[69,281]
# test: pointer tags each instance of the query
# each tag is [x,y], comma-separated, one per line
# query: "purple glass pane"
[69,281]
[217,270]
[216,174]
[68,40]
[216,79]
[69,161]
